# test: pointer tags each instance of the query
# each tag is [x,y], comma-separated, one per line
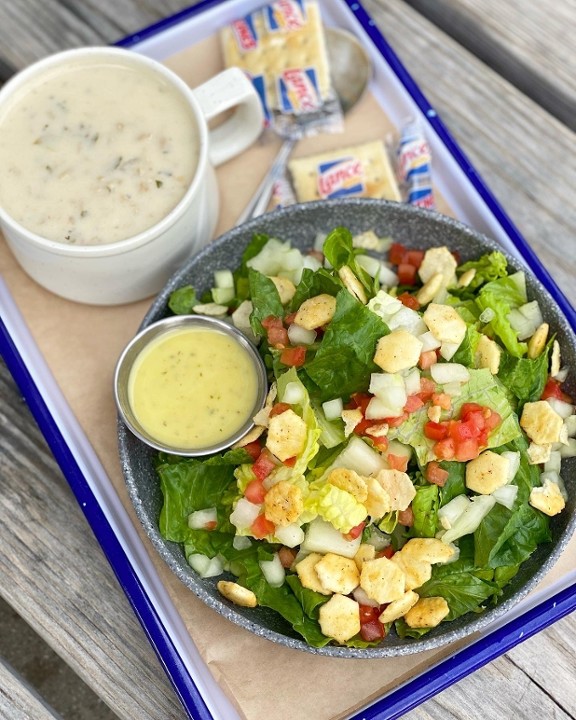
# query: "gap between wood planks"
[475,39]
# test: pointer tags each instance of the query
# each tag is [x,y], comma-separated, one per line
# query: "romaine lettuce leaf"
[182,300]
[524,377]
[461,585]
[482,388]
[508,537]
[265,300]
[344,360]
[501,296]
[340,251]
[485,389]
[194,485]
[284,601]
[425,510]
[455,484]
[314,282]
[490,266]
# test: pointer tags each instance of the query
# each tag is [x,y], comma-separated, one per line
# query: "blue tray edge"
[446,672]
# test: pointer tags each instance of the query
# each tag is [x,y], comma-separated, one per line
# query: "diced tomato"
[262,527]
[278,408]
[264,464]
[427,359]
[386,552]
[468,408]
[397,462]
[409,301]
[368,613]
[255,491]
[380,443]
[253,449]
[407,274]
[460,430]
[291,461]
[361,401]
[481,415]
[475,419]
[355,532]
[414,257]
[435,431]
[397,253]
[492,420]
[443,400]
[467,450]
[445,449]
[406,517]
[396,421]
[553,389]
[413,403]
[275,331]
[370,627]
[293,356]
[362,426]
[435,474]
[286,556]
[373,630]
[427,389]
[289,319]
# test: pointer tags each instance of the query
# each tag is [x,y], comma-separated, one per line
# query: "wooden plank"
[54,574]
[18,701]
[35,28]
[531,44]
[522,684]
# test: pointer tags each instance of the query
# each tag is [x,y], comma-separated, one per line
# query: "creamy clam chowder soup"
[95,153]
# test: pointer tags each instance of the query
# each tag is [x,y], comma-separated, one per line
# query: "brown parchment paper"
[81,344]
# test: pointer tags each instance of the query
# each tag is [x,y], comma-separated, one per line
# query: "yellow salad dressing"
[193,387]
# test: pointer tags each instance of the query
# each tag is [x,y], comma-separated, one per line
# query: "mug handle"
[230,89]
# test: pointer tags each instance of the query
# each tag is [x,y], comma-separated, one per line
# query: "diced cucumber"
[224,279]
[223,295]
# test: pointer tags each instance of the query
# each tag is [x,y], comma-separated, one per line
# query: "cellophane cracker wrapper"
[362,170]
[282,48]
[415,166]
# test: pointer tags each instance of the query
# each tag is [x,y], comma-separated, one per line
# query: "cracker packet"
[415,166]
[282,48]
[356,171]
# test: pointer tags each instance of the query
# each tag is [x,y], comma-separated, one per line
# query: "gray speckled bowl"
[300,224]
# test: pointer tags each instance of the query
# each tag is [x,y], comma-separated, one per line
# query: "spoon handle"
[259,201]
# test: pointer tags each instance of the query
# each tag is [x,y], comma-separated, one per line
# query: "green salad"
[408,458]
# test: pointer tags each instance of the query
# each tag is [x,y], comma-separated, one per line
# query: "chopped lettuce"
[501,296]
[339,364]
[488,267]
[338,507]
[343,362]
[482,388]
[265,300]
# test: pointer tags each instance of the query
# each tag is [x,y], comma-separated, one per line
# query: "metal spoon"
[350,73]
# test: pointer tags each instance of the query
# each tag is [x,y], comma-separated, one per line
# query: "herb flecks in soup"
[95,153]
[193,388]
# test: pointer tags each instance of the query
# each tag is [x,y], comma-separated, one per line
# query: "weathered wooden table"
[503,77]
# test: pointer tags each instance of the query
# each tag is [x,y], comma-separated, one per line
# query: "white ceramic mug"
[138,266]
